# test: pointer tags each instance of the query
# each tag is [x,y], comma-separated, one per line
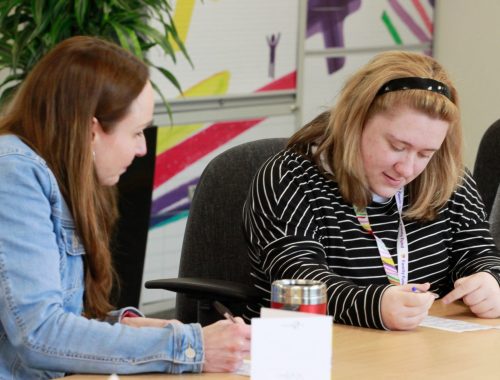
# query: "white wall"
[467,43]
[3,75]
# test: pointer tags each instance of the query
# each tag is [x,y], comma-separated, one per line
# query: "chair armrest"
[200,288]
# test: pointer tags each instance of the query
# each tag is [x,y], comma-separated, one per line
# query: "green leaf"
[120,33]
[8,92]
[170,77]
[60,29]
[19,46]
[178,41]
[58,8]
[164,100]
[81,7]
[136,44]
[6,9]
[158,38]
[41,27]
[37,9]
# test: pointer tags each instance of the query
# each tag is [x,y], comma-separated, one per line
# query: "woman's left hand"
[480,292]
[147,322]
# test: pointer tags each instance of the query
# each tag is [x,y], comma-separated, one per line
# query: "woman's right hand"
[404,309]
[226,344]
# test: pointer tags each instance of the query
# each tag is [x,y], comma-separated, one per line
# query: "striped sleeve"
[473,249]
[281,226]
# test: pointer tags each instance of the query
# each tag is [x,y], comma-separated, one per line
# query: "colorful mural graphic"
[178,157]
[421,34]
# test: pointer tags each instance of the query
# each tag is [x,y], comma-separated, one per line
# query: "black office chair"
[214,263]
[487,165]
[495,219]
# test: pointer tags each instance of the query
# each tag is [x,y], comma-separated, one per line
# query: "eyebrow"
[410,144]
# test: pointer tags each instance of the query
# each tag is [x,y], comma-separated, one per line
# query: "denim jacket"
[42,332]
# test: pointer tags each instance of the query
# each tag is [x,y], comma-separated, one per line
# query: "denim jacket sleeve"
[115,316]
[39,329]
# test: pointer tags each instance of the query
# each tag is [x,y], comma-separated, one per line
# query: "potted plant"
[28,29]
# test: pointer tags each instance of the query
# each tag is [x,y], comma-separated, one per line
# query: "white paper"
[453,325]
[244,369]
[289,345]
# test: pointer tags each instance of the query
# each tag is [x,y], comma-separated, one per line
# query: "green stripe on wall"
[392,30]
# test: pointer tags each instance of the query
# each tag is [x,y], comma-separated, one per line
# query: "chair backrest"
[487,165]
[495,219]
[214,246]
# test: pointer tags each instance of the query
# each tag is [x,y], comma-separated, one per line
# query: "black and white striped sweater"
[299,226]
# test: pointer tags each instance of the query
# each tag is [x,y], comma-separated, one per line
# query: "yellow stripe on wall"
[182,20]
[169,136]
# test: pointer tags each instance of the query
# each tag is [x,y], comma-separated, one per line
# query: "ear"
[95,129]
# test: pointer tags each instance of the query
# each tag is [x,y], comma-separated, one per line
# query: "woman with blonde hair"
[72,129]
[372,199]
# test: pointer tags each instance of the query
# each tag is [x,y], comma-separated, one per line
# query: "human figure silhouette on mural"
[272,41]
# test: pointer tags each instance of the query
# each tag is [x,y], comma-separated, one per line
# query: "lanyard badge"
[399,275]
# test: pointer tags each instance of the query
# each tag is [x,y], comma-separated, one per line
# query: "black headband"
[415,83]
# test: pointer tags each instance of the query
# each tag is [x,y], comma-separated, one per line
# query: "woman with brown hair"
[372,199]
[71,130]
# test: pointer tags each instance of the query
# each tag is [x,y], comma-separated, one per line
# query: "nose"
[405,167]
[141,148]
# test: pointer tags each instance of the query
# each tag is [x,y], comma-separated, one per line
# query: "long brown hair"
[338,132]
[80,78]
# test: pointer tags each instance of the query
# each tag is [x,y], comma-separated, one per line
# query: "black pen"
[224,311]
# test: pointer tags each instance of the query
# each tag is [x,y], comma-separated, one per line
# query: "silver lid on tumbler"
[298,292]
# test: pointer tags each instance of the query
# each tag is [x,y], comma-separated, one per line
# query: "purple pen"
[415,290]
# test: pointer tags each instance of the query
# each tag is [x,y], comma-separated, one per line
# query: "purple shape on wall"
[409,22]
[327,17]
[172,196]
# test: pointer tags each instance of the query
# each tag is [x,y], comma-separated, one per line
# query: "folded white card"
[291,345]
[452,324]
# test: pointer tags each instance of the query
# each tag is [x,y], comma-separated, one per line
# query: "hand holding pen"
[404,307]
[226,341]
[224,311]
[416,289]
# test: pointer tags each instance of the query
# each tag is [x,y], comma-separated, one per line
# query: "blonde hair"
[338,131]
[80,78]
